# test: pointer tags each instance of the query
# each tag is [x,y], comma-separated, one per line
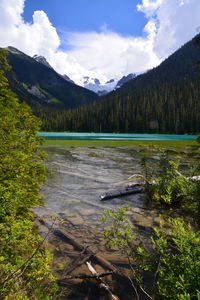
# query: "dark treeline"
[166,108]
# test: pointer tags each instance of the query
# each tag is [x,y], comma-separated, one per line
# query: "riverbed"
[79,176]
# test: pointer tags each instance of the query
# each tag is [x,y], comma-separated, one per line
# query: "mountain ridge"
[102,89]
[34,81]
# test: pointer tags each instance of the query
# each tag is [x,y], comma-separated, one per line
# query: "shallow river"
[77,178]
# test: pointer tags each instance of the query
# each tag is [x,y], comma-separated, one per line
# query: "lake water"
[115,136]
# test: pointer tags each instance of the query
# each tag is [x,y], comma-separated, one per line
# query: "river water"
[78,176]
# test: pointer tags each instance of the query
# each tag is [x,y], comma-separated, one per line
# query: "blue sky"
[99,38]
[120,16]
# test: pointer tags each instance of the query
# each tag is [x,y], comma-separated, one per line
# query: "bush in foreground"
[22,274]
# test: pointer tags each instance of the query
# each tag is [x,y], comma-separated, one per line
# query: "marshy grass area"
[122,143]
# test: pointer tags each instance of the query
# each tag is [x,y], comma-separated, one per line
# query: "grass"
[123,143]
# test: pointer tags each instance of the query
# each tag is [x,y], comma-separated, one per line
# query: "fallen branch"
[101,282]
[83,276]
[196,178]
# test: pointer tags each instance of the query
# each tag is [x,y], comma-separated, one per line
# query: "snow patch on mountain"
[42,60]
[14,50]
[124,79]
[96,86]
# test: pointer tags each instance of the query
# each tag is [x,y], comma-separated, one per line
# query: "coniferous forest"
[145,110]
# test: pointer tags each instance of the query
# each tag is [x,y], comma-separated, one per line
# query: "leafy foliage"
[179,252]
[174,186]
[21,174]
[119,233]
[174,260]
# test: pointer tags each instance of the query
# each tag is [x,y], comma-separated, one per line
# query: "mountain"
[165,99]
[92,84]
[36,82]
[67,78]
[124,79]
[96,86]
[40,59]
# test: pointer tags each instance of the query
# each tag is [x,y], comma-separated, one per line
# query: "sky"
[102,39]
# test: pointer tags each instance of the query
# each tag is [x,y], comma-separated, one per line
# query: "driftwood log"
[70,238]
[131,189]
[138,187]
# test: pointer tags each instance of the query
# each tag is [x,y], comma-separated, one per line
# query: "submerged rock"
[87,211]
[77,220]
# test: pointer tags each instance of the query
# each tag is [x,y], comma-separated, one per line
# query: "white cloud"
[149,7]
[170,23]
[113,54]
[177,21]
[40,35]
[11,11]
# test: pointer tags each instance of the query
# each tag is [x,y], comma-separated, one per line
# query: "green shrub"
[178,250]
[173,186]
[174,261]
[22,274]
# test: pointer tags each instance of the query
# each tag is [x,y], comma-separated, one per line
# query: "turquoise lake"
[115,136]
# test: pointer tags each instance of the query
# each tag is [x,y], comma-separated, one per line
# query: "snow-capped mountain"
[96,86]
[42,60]
[102,89]
[90,83]
[124,79]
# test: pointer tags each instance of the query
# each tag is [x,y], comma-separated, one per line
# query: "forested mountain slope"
[42,86]
[163,100]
